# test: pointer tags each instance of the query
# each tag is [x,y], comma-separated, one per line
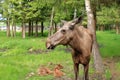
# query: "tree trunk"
[95,49]
[102,28]
[117,29]
[99,5]
[36,28]
[51,23]
[55,26]
[29,28]
[13,29]
[8,27]
[23,30]
[14,32]
[32,28]
[42,28]
[75,13]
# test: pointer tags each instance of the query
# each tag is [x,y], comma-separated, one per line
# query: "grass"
[16,61]
[109,43]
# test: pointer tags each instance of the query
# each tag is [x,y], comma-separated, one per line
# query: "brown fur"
[44,71]
[80,40]
[57,71]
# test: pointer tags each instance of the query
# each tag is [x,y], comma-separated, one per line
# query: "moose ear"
[77,20]
[63,21]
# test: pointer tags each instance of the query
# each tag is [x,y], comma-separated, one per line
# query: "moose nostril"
[48,47]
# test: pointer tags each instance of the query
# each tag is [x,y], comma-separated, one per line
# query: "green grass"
[16,62]
[109,43]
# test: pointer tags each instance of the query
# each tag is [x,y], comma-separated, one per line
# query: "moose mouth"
[51,47]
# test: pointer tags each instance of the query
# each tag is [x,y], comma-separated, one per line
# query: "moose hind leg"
[76,70]
[86,67]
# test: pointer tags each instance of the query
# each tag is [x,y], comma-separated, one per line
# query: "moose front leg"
[86,67]
[76,70]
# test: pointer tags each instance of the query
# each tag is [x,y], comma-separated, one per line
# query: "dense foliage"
[18,12]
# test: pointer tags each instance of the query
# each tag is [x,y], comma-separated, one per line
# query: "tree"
[51,22]
[92,27]
[64,10]
[6,14]
[39,12]
[13,18]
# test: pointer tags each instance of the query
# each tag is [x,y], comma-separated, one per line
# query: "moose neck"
[76,41]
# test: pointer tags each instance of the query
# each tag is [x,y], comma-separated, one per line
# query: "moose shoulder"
[79,38]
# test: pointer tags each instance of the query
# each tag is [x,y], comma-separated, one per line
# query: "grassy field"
[21,57]
[109,43]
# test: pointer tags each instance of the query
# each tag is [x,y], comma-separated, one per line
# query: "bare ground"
[110,63]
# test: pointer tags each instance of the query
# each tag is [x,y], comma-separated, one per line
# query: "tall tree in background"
[92,26]
[39,11]
[13,18]
[6,14]
[51,22]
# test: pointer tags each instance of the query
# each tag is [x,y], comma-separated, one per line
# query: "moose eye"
[63,31]
[71,27]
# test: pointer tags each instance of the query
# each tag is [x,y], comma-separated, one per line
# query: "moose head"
[64,35]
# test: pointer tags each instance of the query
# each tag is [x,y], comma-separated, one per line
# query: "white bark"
[8,27]
[51,23]
[75,13]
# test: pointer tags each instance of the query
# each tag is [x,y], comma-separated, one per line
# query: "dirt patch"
[40,51]
[63,78]
[37,51]
[3,50]
[110,63]
[65,49]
